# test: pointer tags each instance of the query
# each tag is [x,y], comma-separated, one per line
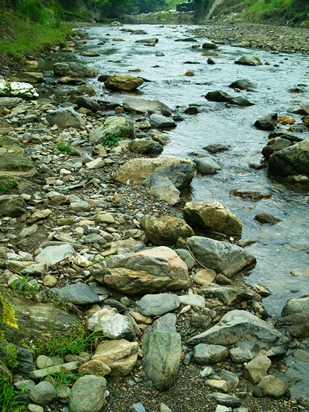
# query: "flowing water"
[278,248]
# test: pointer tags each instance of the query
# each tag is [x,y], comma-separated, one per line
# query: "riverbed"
[279,248]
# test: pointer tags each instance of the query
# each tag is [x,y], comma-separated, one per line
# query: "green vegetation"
[8,399]
[7,313]
[112,140]
[7,184]
[24,284]
[294,12]
[65,148]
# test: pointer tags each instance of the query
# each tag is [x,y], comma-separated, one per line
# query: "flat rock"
[54,254]
[79,294]
[158,304]
[146,106]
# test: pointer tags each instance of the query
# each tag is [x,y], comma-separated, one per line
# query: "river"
[279,248]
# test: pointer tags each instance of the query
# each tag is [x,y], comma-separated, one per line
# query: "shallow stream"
[279,248]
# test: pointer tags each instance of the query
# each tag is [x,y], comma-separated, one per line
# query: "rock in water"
[293,160]
[162,352]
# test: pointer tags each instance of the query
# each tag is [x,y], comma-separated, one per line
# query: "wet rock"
[88,103]
[209,45]
[65,117]
[162,347]
[295,316]
[159,304]
[162,188]
[17,89]
[179,174]
[79,294]
[212,215]
[256,369]
[137,170]
[266,218]
[293,160]
[243,84]
[219,96]
[270,386]
[249,61]
[209,354]
[31,77]
[119,355]
[147,271]
[229,295]
[73,69]
[148,42]
[10,102]
[43,393]
[222,257]
[267,122]
[123,82]
[146,106]
[252,193]
[159,121]
[216,148]
[274,145]
[111,323]
[300,273]
[113,126]
[206,165]
[245,335]
[88,394]
[165,230]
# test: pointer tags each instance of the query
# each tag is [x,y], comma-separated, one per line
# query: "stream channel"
[278,248]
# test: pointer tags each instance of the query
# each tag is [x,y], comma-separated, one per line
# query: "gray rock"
[243,84]
[249,61]
[10,102]
[17,90]
[267,122]
[222,257]
[18,165]
[231,379]
[219,96]
[13,207]
[165,230]
[252,193]
[73,69]
[212,215]
[209,45]
[186,256]
[180,174]
[292,160]
[159,304]
[209,354]
[148,42]
[224,399]
[274,145]
[145,146]
[65,117]
[295,316]
[296,375]
[162,348]
[270,386]
[146,106]
[162,188]
[139,407]
[43,393]
[147,271]
[79,294]
[206,165]
[119,355]
[229,295]
[256,369]
[193,300]
[112,324]
[159,121]
[245,335]
[113,126]
[54,254]
[88,394]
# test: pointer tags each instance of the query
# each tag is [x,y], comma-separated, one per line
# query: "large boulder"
[65,117]
[156,269]
[146,106]
[295,316]
[293,160]
[165,230]
[120,355]
[114,127]
[223,257]
[249,60]
[17,89]
[73,69]
[212,215]
[123,82]
[137,170]
[162,352]
[245,335]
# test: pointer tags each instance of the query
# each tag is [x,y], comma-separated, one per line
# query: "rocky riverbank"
[99,245]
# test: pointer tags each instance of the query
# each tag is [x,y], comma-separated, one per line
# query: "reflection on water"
[278,248]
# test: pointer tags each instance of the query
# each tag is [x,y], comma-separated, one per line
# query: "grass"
[7,184]
[112,140]
[8,399]
[65,148]
[20,37]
